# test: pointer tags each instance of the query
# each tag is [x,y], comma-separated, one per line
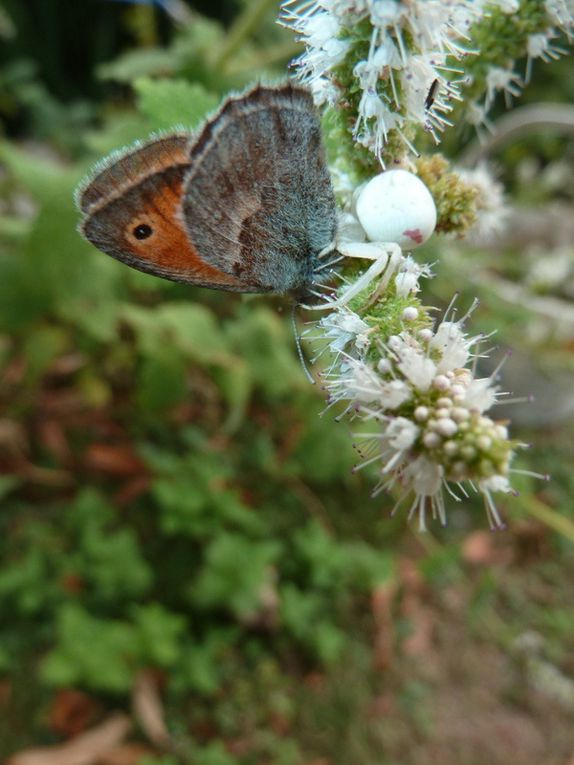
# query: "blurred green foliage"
[183,523]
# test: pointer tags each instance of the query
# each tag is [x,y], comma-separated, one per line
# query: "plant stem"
[247,21]
[550,517]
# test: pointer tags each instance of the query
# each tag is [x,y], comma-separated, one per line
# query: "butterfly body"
[246,205]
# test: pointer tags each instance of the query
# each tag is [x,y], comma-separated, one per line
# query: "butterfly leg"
[382,254]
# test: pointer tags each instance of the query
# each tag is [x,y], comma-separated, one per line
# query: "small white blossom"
[502,80]
[550,270]
[425,334]
[407,278]
[344,327]
[394,393]
[450,341]
[540,46]
[496,483]
[412,362]
[480,395]
[424,478]
[401,433]
[325,93]
[424,475]
[561,13]
[387,13]
[358,382]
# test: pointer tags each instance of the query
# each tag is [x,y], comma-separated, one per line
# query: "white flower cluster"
[539,45]
[401,54]
[431,431]
[400,81]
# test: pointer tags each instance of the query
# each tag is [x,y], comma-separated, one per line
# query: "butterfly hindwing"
[258,199]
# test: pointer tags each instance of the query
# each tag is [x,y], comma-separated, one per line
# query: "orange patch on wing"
[169,248]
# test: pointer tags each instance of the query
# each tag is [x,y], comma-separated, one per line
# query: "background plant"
[173,507]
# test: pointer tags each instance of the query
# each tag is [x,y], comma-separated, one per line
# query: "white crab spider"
[382,255]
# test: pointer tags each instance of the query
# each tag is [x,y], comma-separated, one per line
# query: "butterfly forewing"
[246,205]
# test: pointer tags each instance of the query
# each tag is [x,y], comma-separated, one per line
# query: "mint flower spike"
[392,68]
[417,386]
[410,49]
[385,70]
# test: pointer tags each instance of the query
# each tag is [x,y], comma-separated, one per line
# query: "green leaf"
[300,611]
[306,616]
[324,452]
[194,329]
[28,585]
[234,573]
[191,329]
[111,561]
[367,566]
[329,642]
[122,130]
[97,653]
[201,669]
[324,556]
[56,271]
[168,103]
[160,632]
[235,380]
[194,500]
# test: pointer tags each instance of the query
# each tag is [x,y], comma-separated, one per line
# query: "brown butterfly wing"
[125,168]
[258,201]
[246,206]
[140,194]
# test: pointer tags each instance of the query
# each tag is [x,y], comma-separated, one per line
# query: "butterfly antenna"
[308,374]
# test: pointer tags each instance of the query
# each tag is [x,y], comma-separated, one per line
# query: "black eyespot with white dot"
[142,231]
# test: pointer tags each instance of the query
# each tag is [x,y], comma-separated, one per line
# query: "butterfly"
[245,204]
